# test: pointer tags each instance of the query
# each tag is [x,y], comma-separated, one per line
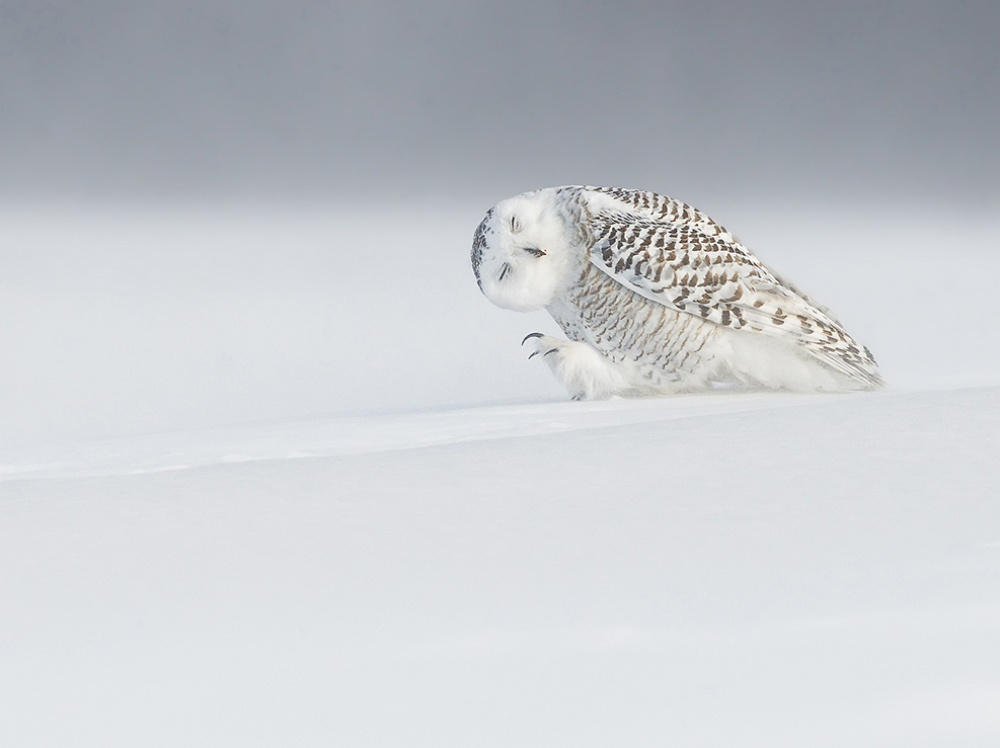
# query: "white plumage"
[655,297]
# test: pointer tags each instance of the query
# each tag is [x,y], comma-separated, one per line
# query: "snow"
[255,489]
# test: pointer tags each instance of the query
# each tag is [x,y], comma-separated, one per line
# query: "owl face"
[520,254]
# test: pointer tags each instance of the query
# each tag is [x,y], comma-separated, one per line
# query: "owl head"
[521,252]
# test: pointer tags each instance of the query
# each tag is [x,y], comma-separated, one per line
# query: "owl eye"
[534,251]
[515,225]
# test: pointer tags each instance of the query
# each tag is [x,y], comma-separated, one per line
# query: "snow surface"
[257,489]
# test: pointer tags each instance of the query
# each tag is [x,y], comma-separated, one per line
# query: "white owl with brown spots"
[655,298]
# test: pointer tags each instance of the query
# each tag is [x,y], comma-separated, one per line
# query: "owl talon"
[535,353]
[581,368]
[529,336]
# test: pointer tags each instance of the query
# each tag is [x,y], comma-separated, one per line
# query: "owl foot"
[586,373]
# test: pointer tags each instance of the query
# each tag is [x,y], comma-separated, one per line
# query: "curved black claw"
[529,336]
[550,350]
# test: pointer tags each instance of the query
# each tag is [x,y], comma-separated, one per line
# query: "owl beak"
[504,269]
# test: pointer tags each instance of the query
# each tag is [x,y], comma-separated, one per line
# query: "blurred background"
[307,97]
[223,211]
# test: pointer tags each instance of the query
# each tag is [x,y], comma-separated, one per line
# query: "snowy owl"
[655,298]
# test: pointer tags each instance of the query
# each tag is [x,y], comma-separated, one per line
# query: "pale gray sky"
[303,96]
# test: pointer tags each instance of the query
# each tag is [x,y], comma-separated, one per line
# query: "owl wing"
[677,256]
